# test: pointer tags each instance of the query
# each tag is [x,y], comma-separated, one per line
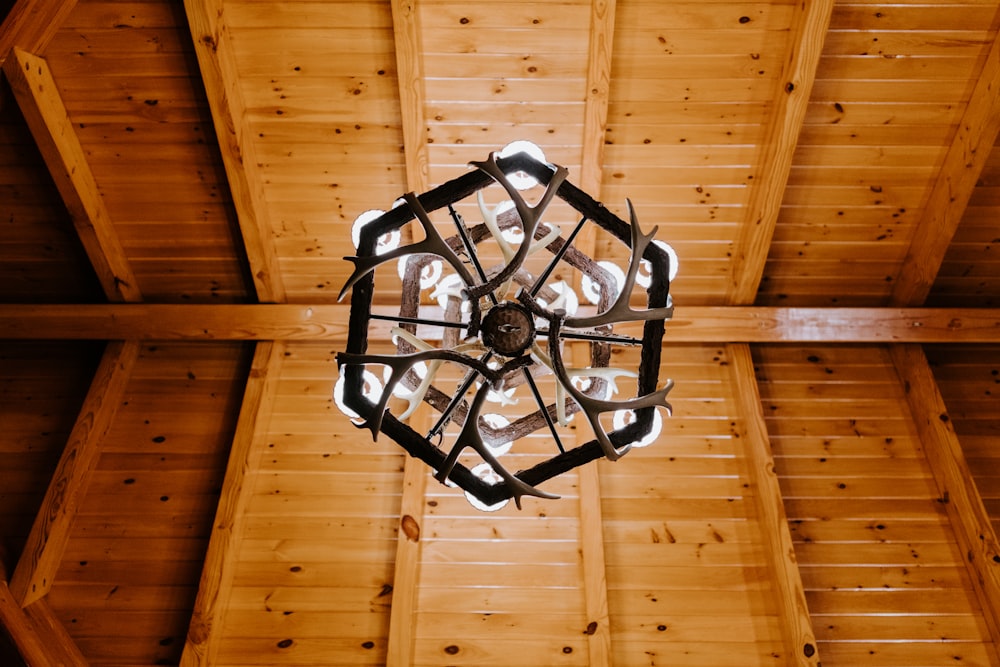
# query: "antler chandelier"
[485,311]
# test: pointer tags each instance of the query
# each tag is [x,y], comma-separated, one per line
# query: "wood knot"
[410,528]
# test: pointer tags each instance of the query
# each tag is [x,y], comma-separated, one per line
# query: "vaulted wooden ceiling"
[177,189]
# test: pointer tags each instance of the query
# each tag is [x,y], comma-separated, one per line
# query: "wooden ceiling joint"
[977,539]
[595,124]
[798,636]
[229,115]
[39,637]
[205,631]
[963,163]
[64,651]
[750,250]
[31,25]
[36,568]
[37,94]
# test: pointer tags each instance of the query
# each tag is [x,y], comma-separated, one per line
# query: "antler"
[470,437]
[620,310]
[432,244]
[530,215]
[401,364]
[592,407]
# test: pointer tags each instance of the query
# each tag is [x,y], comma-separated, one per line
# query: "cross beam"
[303,322]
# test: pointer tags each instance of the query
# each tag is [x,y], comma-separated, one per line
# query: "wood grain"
[31,25]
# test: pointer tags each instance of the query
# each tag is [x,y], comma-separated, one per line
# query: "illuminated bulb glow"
[485,472]
[567,299]
[450,287]
[592,290]
[385,243]
[519,179]
[623,418]
[372,390]
[430,273]
[642,276]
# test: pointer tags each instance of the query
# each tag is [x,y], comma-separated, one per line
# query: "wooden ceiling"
[178,184]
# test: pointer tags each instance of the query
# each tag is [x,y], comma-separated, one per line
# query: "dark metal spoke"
[457,399]
[470,248]
[418,320]
[543,409]
[594,337]
[540,281]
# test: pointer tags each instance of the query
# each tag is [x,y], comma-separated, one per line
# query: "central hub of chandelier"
[508,329]
[487,309]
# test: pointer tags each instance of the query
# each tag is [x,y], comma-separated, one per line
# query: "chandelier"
[485,312]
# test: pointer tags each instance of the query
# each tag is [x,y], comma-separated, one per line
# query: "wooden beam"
[796,625]
[31,24]
[21,631]
[595,110]
[410,75]
[595,125]
[949,197]
[36,93]
[595,117]
[595,583]
[43,551]
[206,18]
[406,578]
[40,643]
[592,553]
[805,44]
[205,630]
[57,639]
[692,324]
[973,530]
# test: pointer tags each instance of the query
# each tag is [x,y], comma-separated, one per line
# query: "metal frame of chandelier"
[502,325]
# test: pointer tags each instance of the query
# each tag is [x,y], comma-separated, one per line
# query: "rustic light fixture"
[487,304]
